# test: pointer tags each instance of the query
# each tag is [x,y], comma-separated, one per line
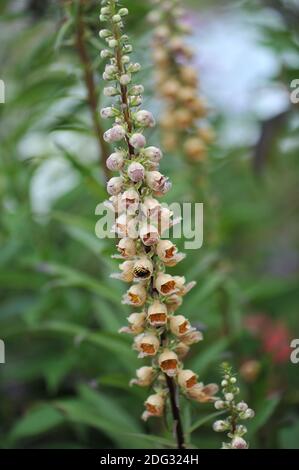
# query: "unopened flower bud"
[123,12]
[112,43]
[145,118]
[115,185]
[105,10]
[219,404]
[125,79]
[153,153]
[136,172]
[110,91]
[104,33]
[239,443]
[136,90]
[135,101]
[125,59]
[248,414]
[115,134]
[229,397]
[137,140]
[134,68]
[242,406]
[115,161]
[116,18]
[107,113]
[127,49]
[220,426]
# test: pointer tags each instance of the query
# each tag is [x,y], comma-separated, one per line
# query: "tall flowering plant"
[162,336]
[184,112]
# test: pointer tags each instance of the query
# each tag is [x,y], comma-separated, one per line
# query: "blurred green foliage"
[65,381]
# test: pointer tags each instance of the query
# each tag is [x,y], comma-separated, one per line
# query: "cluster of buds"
[178,83]
[140,221]
[237,411]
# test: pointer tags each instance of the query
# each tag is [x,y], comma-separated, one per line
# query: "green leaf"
[154,439]
[84,413]
[289,437]
[263,413]
[204,290]
[201,421]
[109,408]
[209,355]
[72,277]
[62,32]
[113,343]
[39,419]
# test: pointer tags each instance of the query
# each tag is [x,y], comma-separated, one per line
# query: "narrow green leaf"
[209,355]
[38,420]
[263,413]
[201,421]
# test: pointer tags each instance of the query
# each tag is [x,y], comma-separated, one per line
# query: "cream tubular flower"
[126,274]
[136,295]
[168,362]
[149,234]
[154,406]
[127,247]
[136,323]
[179,325]
[165,284]
[142,268]
[147,344]
[144,376]
[157,314]
[187,378]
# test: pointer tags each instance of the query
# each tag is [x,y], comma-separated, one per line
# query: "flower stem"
[174,402]
[92,95]
[177,426]
[123,90]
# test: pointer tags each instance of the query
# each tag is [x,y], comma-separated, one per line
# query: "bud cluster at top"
[177,81]
[160,334]
[237,411]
